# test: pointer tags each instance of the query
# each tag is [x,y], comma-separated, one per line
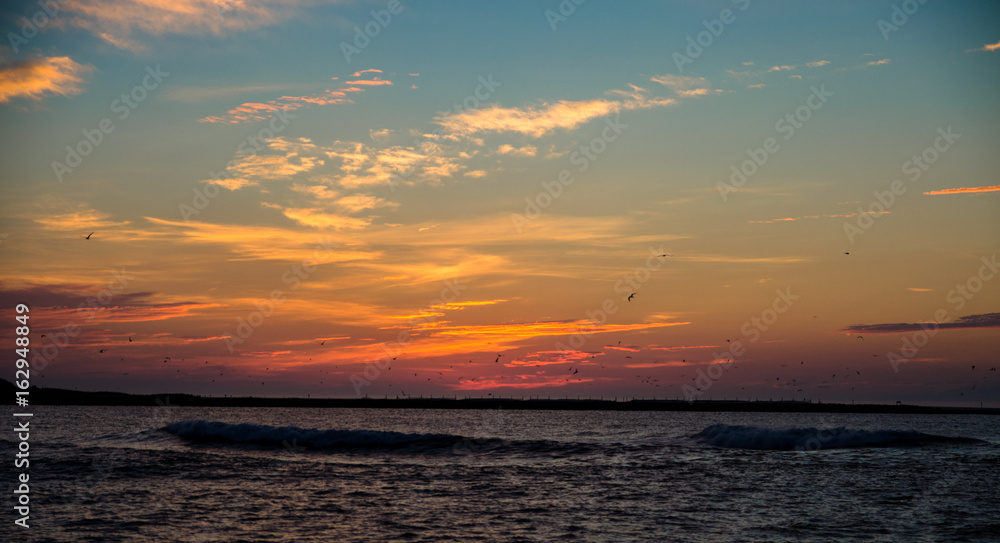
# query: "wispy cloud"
[362,165]
[964,190]
[878,62]
[685,86]
[258,111]
[826,216]
[41,77]
[533,121]
[511,332]
[527,150]
[817,63]
[261,242]
[252,170]
[320,218]
[986,320]
[369,82]
[986,47]
[200,94]
[547,117]
[76,218]
[122,23]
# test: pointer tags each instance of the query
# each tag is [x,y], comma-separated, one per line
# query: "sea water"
[332,475]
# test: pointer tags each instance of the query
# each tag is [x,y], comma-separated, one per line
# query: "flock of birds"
[574,369]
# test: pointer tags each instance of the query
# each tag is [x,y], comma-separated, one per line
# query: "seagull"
[130,339]
[87,236]
[630,297]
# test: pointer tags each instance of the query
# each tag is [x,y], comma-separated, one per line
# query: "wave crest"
[807,439]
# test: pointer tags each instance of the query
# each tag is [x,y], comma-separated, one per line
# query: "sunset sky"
[285,195]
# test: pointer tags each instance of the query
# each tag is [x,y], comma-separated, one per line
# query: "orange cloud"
[987,47]
[686,86]
[626,348]
[35,79]
[368,71]
[533,121]
[116,21]
[964,190]
[369,82]
[263,242]
[548,358]
[320,218]
[527,150]
[463,305]
[525,381]
[80,218]
[512,332]
[363,165]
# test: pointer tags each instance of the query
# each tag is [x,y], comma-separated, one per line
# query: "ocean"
[344,475]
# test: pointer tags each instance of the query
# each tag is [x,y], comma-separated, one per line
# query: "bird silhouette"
[87,236]
[630,297]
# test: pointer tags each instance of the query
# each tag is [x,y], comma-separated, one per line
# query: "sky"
[693,199]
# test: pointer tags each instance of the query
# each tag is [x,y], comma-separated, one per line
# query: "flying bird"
[87,236]
[630,297]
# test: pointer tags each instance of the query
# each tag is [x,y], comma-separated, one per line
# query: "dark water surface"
[263,474]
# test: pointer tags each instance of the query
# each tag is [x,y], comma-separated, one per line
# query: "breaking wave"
[805,439]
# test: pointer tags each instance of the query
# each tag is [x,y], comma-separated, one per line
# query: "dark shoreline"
[58,396]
